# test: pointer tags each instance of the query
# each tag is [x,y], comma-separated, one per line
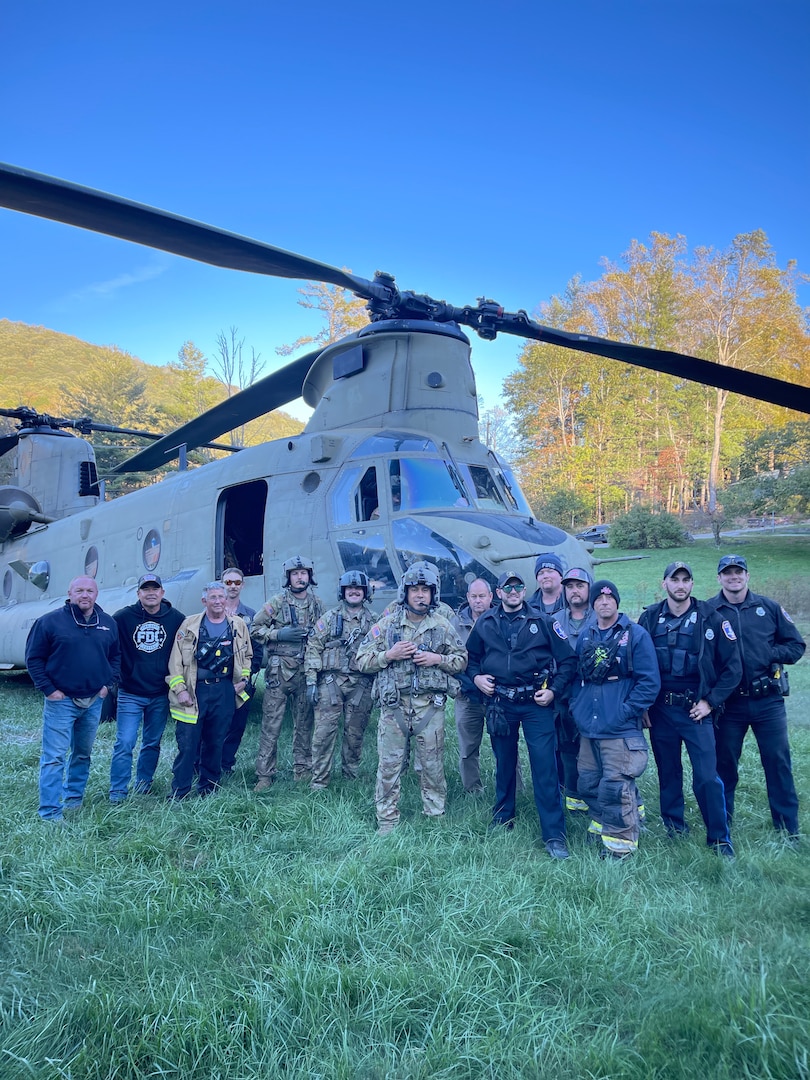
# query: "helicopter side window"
[240,528]
[367,553]
[487,496]
[367,501]
[424,484]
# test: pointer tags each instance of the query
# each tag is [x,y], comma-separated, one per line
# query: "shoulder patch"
[728,630]
[180,635]
[558,630]
[269,609]
[786,615]
[320,625]
[625,638]
[375,630]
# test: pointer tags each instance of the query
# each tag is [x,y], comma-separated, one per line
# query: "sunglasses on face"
[231,581]
[512,588]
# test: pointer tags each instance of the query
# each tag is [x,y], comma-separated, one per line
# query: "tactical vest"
[289,615]
[677,640]
[345,635]
[611,657]
[404,677]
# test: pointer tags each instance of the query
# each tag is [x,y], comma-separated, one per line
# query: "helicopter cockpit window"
[394,442]
[367,553]
[510,485]
[483,485]
[415,541]
[355,497]
[423,484]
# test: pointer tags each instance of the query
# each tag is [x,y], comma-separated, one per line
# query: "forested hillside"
[61,375]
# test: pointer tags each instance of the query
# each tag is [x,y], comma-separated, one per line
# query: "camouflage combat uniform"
[412,702]
[284,678]
[329,663]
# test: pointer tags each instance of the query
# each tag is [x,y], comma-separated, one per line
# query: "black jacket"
[146,643]
[718,655]
[540,643]
[63,652]
[766,633]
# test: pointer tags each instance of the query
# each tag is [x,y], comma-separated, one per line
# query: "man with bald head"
[73,657]
[469,702]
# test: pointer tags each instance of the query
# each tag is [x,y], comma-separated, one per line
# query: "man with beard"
[573,618]
[335,686]
[73,658]
[415,655]
[146,632]
[768,640]
[521,662]
[548,573]
[700,665]
[282,627]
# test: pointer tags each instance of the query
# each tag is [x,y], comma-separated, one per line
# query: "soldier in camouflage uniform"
[415,653]
[282,627]
[334,685]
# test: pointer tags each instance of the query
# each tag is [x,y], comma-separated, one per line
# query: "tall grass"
[278,936]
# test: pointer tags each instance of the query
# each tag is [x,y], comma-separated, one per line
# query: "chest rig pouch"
[608,658]
[215,654]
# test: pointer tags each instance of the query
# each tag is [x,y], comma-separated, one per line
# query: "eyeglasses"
[512,588]
[232,581]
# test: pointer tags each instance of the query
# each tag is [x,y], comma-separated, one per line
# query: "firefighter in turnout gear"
[335,687]
[282,627]
[415,655]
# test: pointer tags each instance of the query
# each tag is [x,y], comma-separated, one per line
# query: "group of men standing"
[566,666]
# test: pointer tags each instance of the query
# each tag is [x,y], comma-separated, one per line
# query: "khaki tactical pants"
[339,695]
[273,707]
[391,744]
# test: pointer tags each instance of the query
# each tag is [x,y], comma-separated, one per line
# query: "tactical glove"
[312,695]
[293,634]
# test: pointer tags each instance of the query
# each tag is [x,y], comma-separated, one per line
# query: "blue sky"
[470,149]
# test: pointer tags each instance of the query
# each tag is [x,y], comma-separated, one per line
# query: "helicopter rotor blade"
[49,197]
[271,392]
[490,319]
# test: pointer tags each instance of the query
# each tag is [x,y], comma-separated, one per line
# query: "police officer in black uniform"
[521,661]
[700,666]
[768,640]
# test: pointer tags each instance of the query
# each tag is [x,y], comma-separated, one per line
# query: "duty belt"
[517,695]
[687,698]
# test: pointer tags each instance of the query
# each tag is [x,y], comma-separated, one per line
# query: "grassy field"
[244,937]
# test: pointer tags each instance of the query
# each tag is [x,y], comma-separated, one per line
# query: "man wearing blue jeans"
[146,631]
[73,657]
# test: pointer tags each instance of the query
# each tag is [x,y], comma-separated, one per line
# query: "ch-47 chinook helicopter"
[389,469]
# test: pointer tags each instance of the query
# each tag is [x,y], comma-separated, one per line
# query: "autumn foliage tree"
[614,435]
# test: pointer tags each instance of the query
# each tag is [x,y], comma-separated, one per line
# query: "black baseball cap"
[577,573]
[731,560]
[149,579]
[675,566]
[510,575]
